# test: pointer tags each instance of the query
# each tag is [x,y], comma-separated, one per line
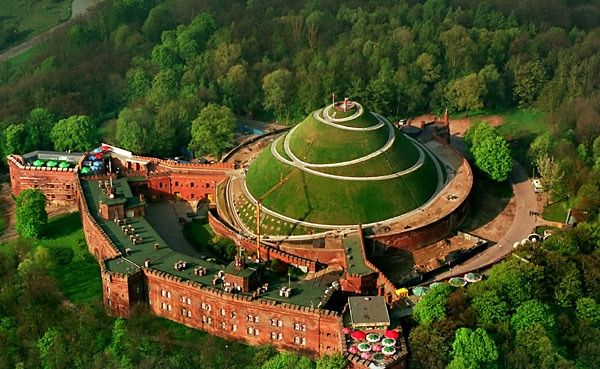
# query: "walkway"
[521,227]
[164,218]
[7,211]
[78,9]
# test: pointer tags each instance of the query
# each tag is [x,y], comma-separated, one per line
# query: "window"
[273,335]
[163,293]
[256,332]
[280,336]
[189,313]
[250,331]
[168,294]
[296,326]
[160,185]
[107,289]
[256,319]
[191,184]
[303,328]
[296,340]
[223,325]
[234,327]
[205,307]
[189,301]
[169,307]
[303,341]
[108,302]
[222,312]
[183,299]
[192,196]
[232,314]
[249,318]
[279,323]
[176,184]
[273,322]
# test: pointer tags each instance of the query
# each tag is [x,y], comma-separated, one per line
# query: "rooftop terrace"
[305,293]
[354,255]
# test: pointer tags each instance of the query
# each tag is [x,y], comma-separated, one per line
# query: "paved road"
[78,9]
[521,226]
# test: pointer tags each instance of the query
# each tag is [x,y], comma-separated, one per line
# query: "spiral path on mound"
[309,167]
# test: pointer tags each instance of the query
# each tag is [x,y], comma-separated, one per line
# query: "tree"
[158,20]
[137,84]
[529,81]
[428,347]
[213,130]
[335,361]
[550,171]
[53,350]
[530,313]
[490,151]
[588,309]
[14,140]
[133,130]
[73,133]
[39,122]
[490,308]
[288,360]
[466,93]
[277,87]
[432,307]
[473,350]
[31,213]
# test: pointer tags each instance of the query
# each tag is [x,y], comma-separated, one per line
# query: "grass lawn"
[556,212]
[520,128]
[323,200]
[80,278]
[27,18]
[316,142]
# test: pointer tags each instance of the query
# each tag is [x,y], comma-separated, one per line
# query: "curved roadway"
[78,8]
[520,228]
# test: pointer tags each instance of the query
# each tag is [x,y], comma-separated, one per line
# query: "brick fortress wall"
[57,184]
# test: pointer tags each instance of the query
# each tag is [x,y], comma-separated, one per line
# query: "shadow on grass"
[62,226]
[488,199]
[80,280]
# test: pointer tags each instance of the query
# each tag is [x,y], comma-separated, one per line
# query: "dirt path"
[78,9]
[7,211]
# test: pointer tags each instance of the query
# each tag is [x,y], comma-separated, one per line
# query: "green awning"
[420,291]
[51,164]
[38,163]
[63,164]
[85,170]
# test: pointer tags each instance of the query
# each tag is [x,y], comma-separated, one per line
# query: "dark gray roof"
[368,310]
[73,157]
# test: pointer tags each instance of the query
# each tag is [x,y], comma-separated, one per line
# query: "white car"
[537,186]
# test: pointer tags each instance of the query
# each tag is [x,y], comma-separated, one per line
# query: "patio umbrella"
[85,170]
[420,291]
[346,330]
[51,163]
[105,147]
[391,334]
[457,282]
[353,349]
[97,150]
[435,284]
[99,155]
[63,164]
[358,335]
[472,277]
[38,163]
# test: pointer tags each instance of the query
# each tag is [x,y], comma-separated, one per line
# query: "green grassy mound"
[317,143]
[365,120]
[328,201]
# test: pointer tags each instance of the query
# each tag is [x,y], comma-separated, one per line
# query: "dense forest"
[156,76]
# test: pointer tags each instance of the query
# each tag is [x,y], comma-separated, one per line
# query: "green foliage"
[473,349]
[52,349]
[39,122]
[466,93]
[335,361]
[490,308]
[588,309]
[288,360]
[213,130]
[134,129]
[529,81]
[277,87]
[531,313]
[74,133]
[490,151]
[432,307]
[31,215]
[14,140]
[514,281]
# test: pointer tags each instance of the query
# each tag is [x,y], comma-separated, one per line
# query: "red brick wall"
[325,256]
[413,239]
[122,292]
[218,312]
[57,184]
[97,240]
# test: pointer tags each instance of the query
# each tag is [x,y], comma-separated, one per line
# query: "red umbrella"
[99,155]
[391,334]
[105,147]
[346,330]
[358,335]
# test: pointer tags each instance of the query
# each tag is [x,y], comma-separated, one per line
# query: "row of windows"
[207,307]
[165,306]
[161,185]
